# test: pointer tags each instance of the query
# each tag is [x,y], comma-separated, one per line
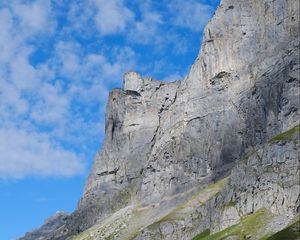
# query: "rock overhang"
[133,81]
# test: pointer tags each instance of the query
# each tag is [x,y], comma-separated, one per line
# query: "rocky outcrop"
[258,198]
[264,185]
[50,226]
[167,141]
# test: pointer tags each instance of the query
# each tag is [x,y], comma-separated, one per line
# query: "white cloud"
[147,30]
[114,17]
[190,14]
[173,77]
[7,47]
[67,59]
[33,17]
[22,74]
[111,16]
[10,100]
[26,96]
[26,153]
[52,107]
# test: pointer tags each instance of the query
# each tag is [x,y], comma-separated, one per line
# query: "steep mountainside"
[214,155]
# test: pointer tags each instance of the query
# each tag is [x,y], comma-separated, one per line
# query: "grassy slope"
[195,201]
[128,226]
[137,219]
[292,232]
[248,226]
[288,135]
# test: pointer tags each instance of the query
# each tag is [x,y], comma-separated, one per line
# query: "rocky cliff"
[214,155]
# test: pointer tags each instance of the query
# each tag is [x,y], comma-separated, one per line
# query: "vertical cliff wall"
[167,140]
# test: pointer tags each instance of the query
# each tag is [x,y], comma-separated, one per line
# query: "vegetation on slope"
[292,232]
[195,201]
[247,228]
[288,135]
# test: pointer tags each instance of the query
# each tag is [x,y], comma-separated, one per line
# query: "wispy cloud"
[25,153]
[27,98]
[191,14]
[111,16]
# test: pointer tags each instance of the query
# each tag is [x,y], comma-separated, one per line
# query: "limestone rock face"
[167,140]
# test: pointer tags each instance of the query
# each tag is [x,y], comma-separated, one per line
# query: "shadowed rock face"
[164,139]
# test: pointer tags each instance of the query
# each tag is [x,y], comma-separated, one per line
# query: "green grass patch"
[83,236]
[249,226]
[202,235]
[286,136]
[179,212]
[292,232]
[230,204]
[248,155]
[214,187]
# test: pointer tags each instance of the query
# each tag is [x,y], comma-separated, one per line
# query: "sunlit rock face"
[166,139]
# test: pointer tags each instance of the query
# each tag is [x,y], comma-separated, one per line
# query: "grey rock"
[253,184]
[50,226]
[166,140]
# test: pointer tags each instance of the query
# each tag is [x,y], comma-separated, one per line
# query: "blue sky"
[58,61]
